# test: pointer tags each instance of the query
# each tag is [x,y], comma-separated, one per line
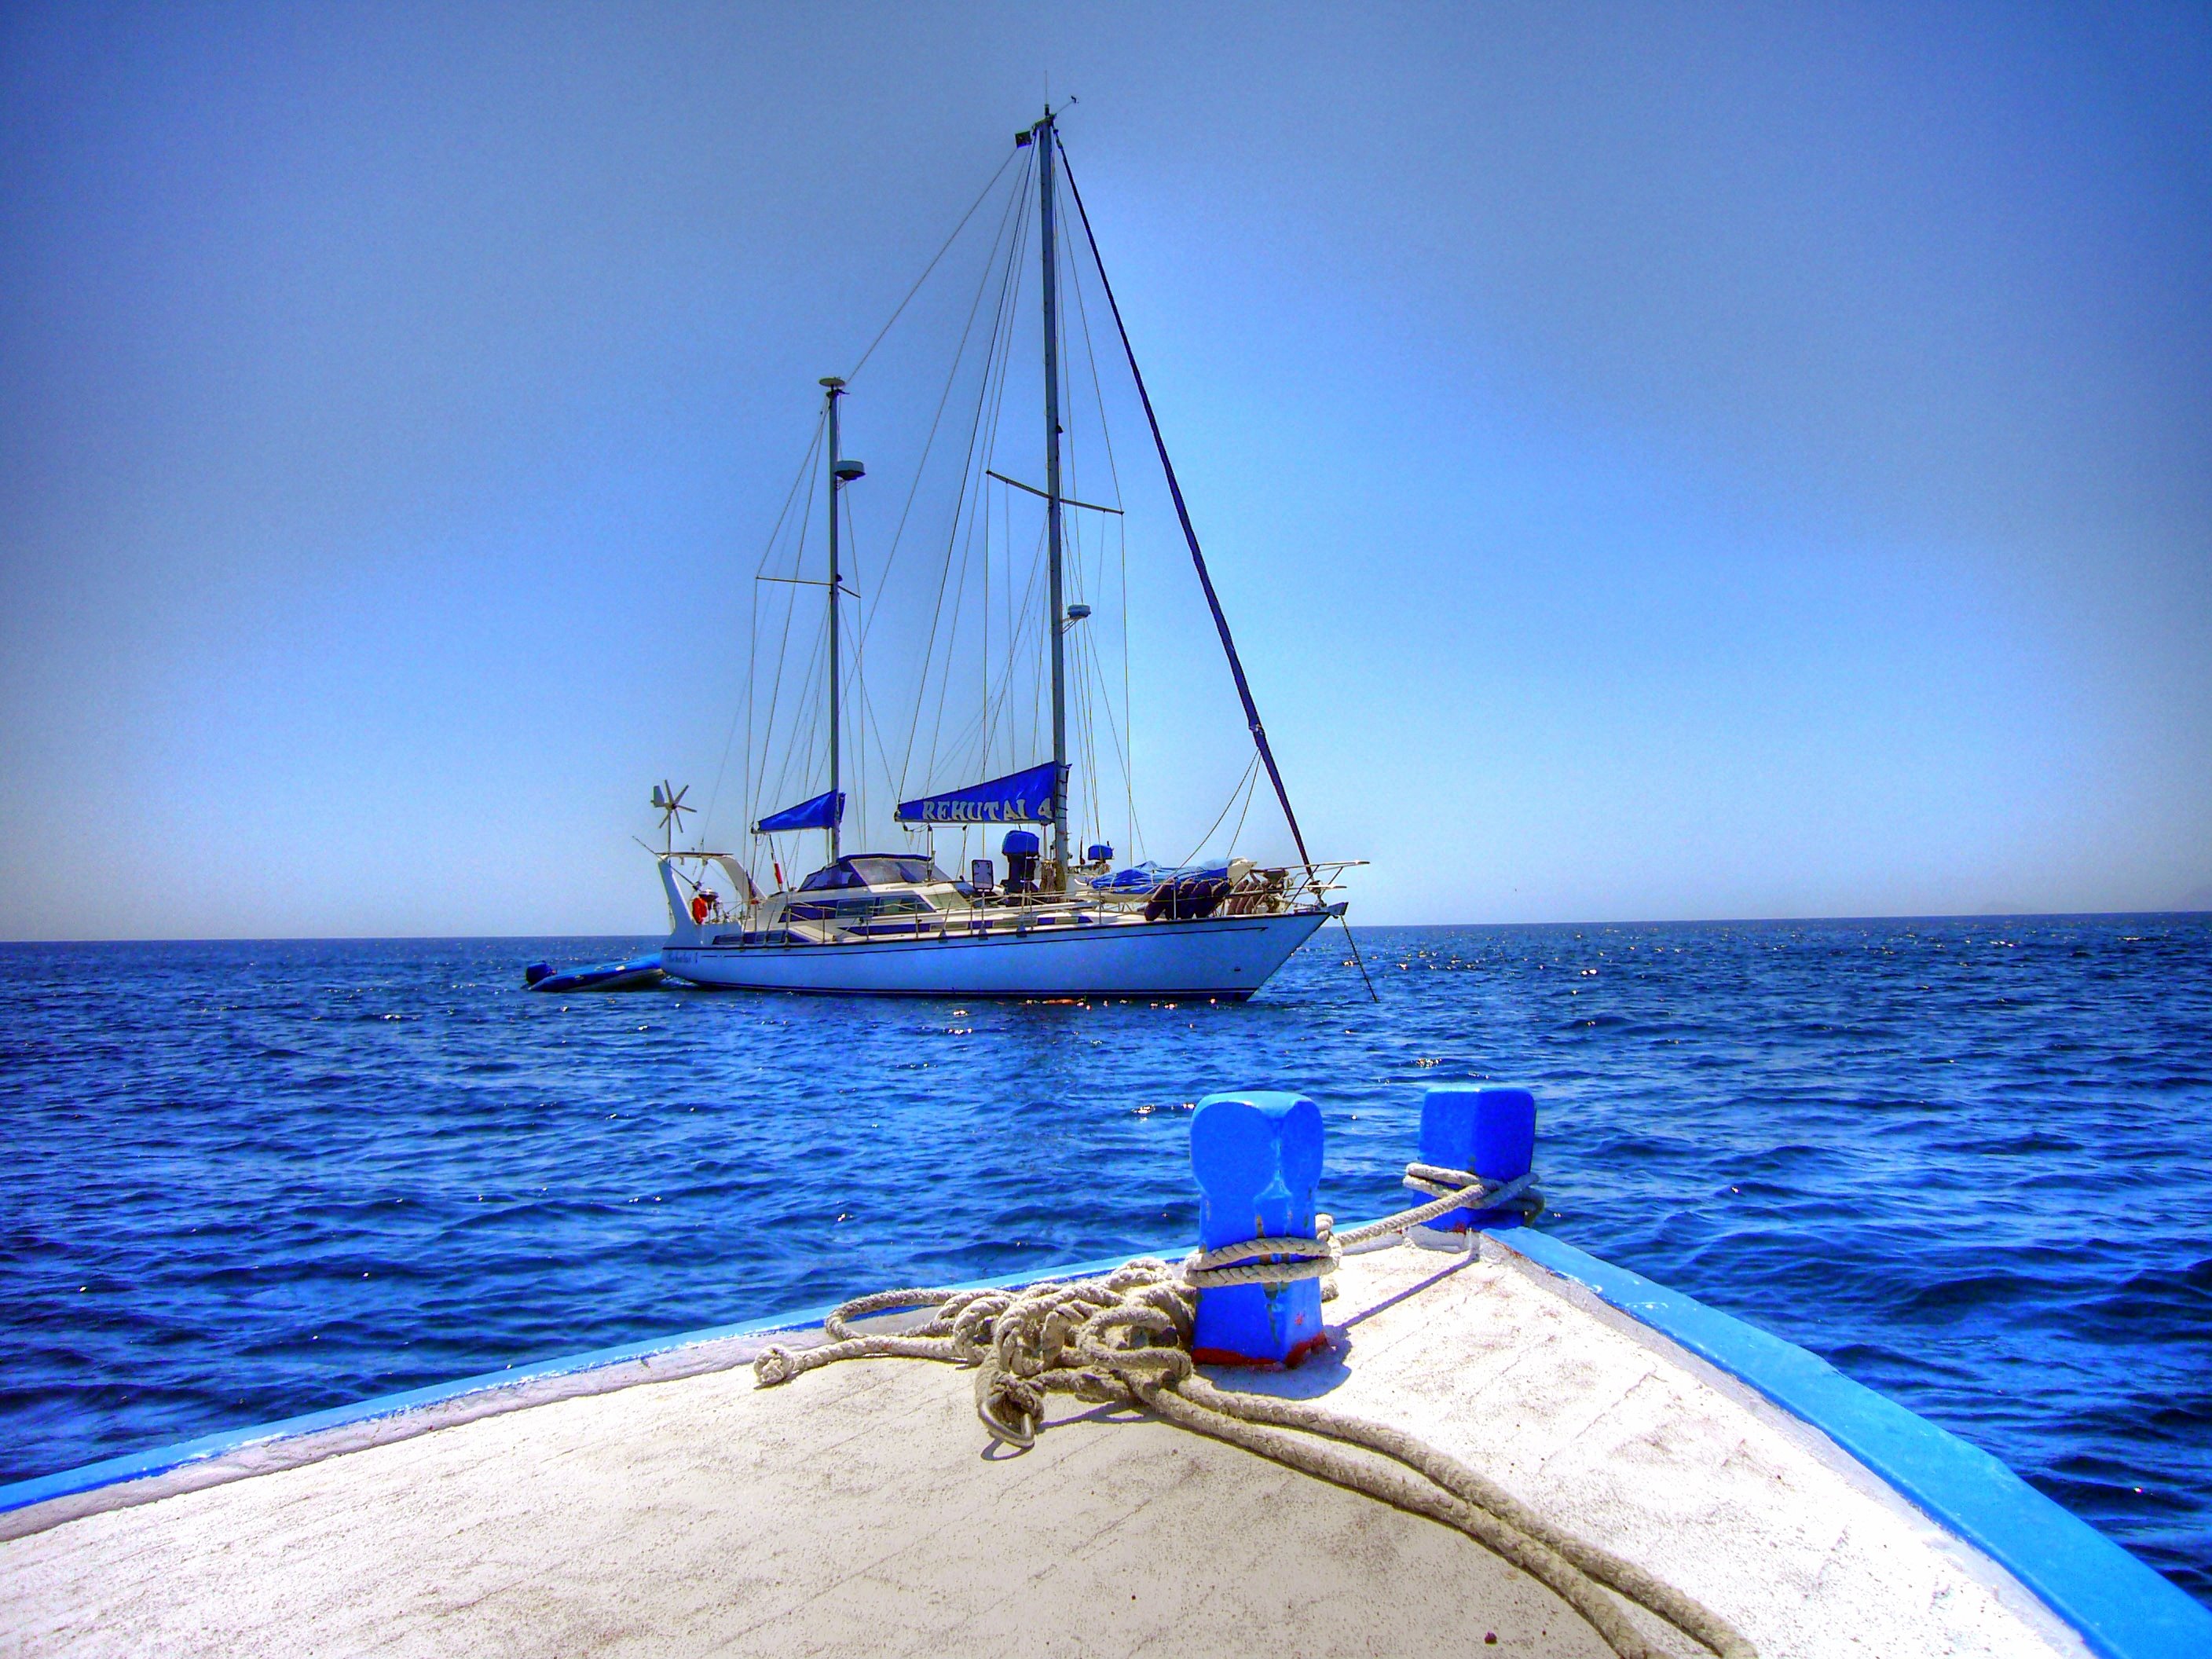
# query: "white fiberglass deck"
[856,1510]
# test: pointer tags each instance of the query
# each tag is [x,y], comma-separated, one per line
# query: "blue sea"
[1963,1160]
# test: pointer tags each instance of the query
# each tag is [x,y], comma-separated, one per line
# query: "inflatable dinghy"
[640,974]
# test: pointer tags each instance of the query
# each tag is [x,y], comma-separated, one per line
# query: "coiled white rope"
[1126,1337]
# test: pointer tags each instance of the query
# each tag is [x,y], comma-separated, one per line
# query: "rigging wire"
[986,434]
[798,483]
[1021,622]
[1254,779]
[803,712]
[1086,668]
[807,713]
[853,706]
[1071,532]
[1000,705]
[864,713]
[1182,512]
[863,708]
[1241,787]
[1121,528]
[971,522]
[931,266]
[1198,558]
[990,417]
[1106,702]
[962,506]
[1015,207]
[809,708]
[968,508]
[783,649]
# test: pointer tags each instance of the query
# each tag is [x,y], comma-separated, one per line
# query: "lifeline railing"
[863,921]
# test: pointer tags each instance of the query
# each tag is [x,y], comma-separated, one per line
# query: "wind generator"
[669,803]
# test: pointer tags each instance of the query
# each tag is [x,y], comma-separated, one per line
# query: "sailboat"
[1055,922]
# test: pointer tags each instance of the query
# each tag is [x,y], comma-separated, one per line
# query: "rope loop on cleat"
[1247,1263]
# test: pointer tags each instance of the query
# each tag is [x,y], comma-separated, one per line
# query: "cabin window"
[873,870]
[888,872]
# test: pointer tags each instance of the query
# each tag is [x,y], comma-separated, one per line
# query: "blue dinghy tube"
[1257,1158]
[1490,1132]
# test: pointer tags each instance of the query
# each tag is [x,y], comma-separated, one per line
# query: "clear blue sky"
[1661,462]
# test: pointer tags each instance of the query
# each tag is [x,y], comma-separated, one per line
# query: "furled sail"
[825,811]
[1024,797]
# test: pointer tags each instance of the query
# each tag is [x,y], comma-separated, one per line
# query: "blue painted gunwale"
[2121,1608]
[161,1460]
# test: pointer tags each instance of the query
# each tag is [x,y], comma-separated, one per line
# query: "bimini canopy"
[825,811]
[1019,798]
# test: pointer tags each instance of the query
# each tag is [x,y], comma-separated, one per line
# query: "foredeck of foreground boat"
[856,1508]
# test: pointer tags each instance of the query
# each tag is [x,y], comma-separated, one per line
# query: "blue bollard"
[1257,1158]
[1492,1132]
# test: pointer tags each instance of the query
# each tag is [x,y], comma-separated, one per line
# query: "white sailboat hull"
[1224,957]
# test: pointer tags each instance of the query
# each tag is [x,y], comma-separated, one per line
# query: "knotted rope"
[1296,1258]
[1125,1338]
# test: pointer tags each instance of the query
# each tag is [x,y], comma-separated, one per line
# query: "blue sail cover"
[820,813]
[1019,798]
[1144,877]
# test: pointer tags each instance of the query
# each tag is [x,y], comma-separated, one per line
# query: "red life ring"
[698,906]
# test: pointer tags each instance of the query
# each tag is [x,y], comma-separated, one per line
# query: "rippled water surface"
[1963,1160]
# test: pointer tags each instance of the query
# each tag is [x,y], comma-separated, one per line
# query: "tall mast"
[1056,615]
[836,390]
